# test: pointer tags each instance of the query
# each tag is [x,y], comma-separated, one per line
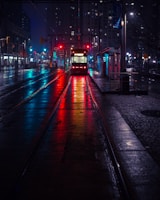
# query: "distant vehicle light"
[78,54]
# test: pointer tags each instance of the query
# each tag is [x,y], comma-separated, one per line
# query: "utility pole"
[124,80]
[123,39]
[79,24]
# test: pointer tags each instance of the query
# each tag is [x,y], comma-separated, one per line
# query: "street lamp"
[124,80]
[124,38]
[123,43]
[124,77]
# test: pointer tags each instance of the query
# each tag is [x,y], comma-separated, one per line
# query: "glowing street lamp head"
[131,13]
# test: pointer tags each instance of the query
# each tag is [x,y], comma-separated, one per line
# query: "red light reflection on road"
[57,89]
[78,92]
[73,119]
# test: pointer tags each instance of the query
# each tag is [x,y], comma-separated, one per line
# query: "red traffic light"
[88,46]
[60,46]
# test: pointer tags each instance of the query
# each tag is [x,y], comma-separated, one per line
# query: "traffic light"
[60,46]
[87,46]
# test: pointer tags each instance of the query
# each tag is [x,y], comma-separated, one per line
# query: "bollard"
[124,83]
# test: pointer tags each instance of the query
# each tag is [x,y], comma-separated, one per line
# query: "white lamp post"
[123,44]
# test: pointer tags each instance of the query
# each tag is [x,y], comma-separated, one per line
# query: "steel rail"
[28,98]
[41,133]
[124,190]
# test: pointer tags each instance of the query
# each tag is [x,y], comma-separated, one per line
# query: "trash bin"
[103,70]
[124,83]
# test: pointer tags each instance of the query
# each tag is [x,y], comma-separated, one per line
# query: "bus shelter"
[108,63]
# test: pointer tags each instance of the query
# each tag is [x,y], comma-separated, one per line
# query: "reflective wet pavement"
[142,171]
[65,166]
[9,76]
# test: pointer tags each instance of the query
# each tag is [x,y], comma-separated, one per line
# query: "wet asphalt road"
[67,161]
[20,131]
[146,128]
[65,164]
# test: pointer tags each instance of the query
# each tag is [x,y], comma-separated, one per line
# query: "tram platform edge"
[107,85]
[140,170]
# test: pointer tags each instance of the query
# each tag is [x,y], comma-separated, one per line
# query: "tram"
[79,61]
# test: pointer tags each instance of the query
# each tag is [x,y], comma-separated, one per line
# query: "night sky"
[38,24]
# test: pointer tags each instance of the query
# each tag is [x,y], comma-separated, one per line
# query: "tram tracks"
[109,154]
[120,186]
[41,133]
[109,151]
[4,115]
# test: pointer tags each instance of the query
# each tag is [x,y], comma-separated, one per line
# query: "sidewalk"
[141,172]
[134,85]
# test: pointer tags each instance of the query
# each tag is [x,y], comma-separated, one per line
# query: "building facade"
[14,28]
